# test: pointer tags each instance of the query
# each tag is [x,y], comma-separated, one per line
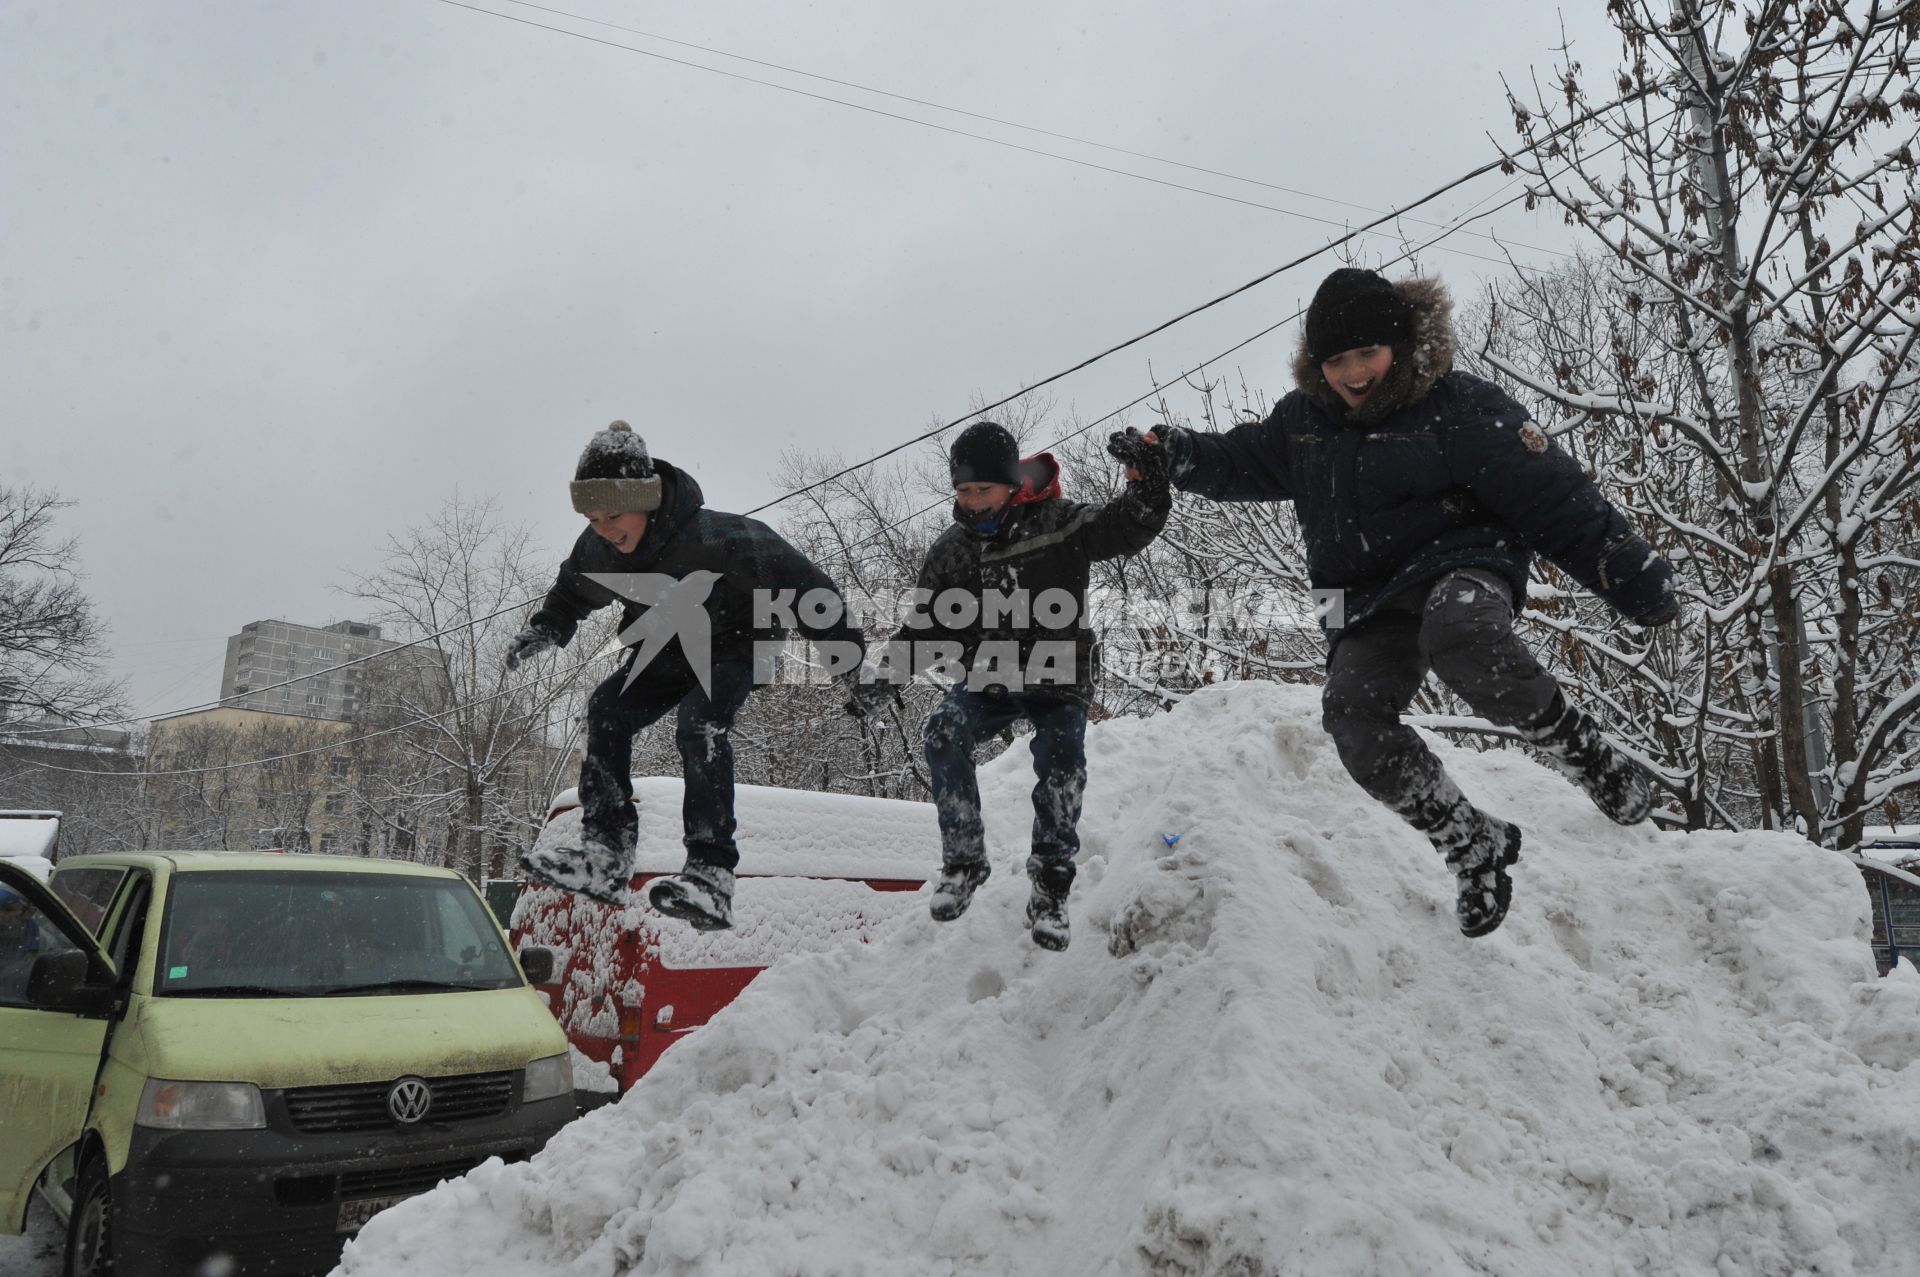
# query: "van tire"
[90,1225]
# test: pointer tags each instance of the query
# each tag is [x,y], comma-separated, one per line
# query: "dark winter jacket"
[1044,543]
[1437,470]
[683,536]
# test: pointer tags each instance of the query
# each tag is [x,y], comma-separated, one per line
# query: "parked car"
[1891,865]
[227,1062]
[814,869]
[30,838]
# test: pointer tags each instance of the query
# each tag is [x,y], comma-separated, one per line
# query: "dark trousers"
[963,720]
[615,713]
[1461,627]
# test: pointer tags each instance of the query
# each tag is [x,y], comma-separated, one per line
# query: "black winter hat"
[615,474]
[1355,308]
[985,452]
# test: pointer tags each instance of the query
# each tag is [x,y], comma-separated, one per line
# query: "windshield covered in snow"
[301,934]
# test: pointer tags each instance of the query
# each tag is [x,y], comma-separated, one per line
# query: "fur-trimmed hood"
[1417,363]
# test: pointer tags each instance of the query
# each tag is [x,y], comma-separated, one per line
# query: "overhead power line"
[1206,363]
[989,119]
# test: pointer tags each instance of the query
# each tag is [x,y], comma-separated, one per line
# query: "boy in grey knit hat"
[685,576]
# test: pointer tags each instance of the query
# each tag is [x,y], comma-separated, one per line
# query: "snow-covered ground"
[1674,1058]
[38,1251]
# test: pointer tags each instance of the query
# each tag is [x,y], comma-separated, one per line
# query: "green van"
[227,1062]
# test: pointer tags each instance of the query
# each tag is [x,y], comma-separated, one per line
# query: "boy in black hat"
[1421,492]
[686,577]
[1001,601]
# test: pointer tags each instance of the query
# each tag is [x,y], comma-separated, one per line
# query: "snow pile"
[1673,1058]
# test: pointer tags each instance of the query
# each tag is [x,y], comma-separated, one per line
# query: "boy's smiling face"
[981,500]
[622,531]
[1356,374]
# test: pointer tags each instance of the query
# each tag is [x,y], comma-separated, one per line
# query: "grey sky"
[275,279]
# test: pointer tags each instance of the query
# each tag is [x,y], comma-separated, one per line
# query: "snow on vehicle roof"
[27,836]
[781,832]
[771,917]
[39,866]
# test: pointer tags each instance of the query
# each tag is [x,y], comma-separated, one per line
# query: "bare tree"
[1758,204]
[52,646]
[471,753]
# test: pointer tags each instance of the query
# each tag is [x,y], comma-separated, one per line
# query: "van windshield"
[267,933]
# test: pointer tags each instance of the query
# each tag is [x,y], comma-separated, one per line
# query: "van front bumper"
[268,1203]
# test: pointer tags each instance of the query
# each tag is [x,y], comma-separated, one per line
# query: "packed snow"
[1674,1058]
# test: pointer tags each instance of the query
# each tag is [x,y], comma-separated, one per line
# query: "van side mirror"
[60,982]
[537,962]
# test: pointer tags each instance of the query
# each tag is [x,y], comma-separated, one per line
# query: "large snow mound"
[1674,1058]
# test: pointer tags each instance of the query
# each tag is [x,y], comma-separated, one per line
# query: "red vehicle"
[814,869]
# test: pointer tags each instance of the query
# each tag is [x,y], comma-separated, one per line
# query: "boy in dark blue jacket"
[686,578]
[1422,492]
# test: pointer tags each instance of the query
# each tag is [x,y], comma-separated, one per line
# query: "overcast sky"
[276,279]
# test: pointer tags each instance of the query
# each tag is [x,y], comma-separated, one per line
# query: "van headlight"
[548,1078]
[201,1106]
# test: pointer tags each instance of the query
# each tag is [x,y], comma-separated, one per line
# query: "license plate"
[354,1214]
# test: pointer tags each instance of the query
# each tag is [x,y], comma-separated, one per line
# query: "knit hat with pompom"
[615,474]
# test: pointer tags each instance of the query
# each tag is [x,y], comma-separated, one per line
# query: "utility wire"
[1204,364]
[994,119]
[1187,314]
[929,124]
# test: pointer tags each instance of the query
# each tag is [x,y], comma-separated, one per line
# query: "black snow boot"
[1478,848]
[954,892]
[700,895]
[1618,786]
[591,868]
[1479,852]
[1047,907]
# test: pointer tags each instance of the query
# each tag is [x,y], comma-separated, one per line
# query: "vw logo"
[408,1100]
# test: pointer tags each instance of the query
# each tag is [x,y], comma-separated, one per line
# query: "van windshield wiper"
[238,991]
[404,986]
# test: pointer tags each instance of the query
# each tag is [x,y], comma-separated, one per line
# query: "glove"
[527,644]
[1148,466]
[863,699]
[1667,612]
[1639,584]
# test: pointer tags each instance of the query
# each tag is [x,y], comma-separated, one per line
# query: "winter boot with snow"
[954,892]
[1618,786]
[1483,891]
[1047,907]
[700,895]
[1476,846]
[592,869]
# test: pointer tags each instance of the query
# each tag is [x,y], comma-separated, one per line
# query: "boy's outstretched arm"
[1534,486]
[559,615]
[1126,524]
[1246,463]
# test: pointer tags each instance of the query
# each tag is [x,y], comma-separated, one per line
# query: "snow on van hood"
[1673,1058]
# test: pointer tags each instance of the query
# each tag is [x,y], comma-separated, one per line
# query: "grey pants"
[1460,627]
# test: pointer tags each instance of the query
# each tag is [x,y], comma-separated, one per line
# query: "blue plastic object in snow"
[1169,839]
